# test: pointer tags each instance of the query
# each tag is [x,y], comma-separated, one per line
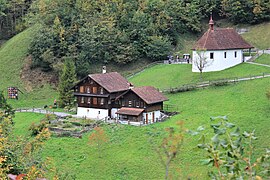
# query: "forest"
[115,31]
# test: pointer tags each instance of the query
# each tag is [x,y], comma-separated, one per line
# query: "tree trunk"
[167,172]
[201,78]
[167,168]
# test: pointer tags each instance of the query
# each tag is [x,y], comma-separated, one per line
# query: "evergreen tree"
[67,80]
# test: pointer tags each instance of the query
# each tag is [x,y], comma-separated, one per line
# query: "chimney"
[211,23]
[104,69]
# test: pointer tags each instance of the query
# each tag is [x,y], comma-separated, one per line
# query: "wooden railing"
[218,82]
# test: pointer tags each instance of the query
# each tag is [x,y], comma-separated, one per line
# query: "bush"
[67,125]
[36,128]
[220,83]
[76,123]
[49,117]
[184,88]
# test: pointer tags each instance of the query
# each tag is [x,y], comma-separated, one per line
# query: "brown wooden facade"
[132,100]
[90,94]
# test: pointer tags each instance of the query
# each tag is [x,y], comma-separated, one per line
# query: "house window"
[94,90]
[235,54]
[211,55]
[88,100]
[88,89]
[101,101]
[81,89]
[137,104]
[101,91]
[91,82]
[225,55]
[95,101]
[123,102]
[82,100]
[129,103]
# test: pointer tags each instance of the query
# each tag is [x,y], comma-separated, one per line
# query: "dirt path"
[43,111]
[258,64]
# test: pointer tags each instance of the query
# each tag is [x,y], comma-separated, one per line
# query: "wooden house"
[109,95]
[95,94]
[221,48]
[141,104]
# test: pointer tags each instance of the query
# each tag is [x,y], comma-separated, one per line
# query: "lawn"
[23,122]
[129,154]
[259,36]
[174,75]
[12,59]
[263,59]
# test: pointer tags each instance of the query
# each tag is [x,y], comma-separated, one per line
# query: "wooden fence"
[219,82]
[130,75]
[171,108]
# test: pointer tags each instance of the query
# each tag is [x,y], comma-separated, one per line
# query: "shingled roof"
[130,111]
[221,39]
[149,94]
[112,82]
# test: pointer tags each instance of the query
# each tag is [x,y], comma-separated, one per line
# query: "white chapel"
[219,48]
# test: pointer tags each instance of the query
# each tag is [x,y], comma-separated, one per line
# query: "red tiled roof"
[130,111]
[221,39]
[149,94]
[112,81]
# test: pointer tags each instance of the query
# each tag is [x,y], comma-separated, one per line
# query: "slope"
[12,59]
[259,35]
[174,75]
[129,153]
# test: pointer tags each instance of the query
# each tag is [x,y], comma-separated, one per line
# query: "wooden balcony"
[91,95]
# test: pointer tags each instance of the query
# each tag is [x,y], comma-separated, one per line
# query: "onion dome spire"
[211,23]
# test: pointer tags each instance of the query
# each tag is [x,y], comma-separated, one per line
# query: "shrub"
[36,128]
[49,117]
[220,83]
[231,152]
[67,125]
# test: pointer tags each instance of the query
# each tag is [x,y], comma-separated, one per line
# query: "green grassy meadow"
[263,59]
[174,75]
[23,122]
[129,154]
[12,59]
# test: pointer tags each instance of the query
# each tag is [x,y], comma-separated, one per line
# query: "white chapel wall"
[219,62]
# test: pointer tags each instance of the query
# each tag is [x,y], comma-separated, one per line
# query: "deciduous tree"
[201,61]
[97,139]
[170,147]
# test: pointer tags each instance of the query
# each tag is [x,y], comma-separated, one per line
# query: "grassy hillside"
[263,59]
[174,75]
[12,58]
[129,153]
[259,36]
